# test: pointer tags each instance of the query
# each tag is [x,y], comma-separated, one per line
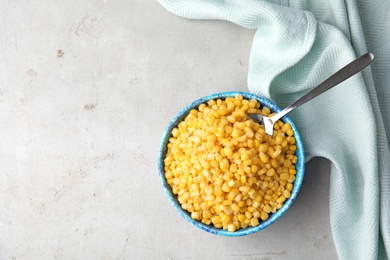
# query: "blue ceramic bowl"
[300,166]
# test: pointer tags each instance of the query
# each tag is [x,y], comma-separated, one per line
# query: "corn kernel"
[195,215]
[235,207]
[281,199]
[225,219]
[231,227]
[216,219]
[254,222]
[241,218]
[248,214]
[267,208]
[284,176]
[291,178]
[271,172]
[286,193]
[228,151]
[206,214]
[244,189]
[264,215]
[264,157]
[224,164]
[226,187]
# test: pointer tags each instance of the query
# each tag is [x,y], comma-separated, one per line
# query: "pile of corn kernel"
[224,168]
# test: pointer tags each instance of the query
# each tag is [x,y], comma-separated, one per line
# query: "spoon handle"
[341,75]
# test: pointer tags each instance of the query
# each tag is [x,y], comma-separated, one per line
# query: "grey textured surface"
[86,91]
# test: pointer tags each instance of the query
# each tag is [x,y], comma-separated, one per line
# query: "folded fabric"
[297,45]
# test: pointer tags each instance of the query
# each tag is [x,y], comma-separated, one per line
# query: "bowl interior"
[272,217]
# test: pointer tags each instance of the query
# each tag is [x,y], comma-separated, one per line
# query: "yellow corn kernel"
[204,206]
[235,190]
[266,111]
[225,219]
[233,167]
[284,176]
[209,190]
[264,215]
[245,156]
[247,162]
[216,219]
[244,189]
[276,153]
[251,209]
[254,168]
[255,204]
[287,163]
[247,169]
[271,172]
[243,179]
[291,178]
[241,218]
[226,187]
[263,148]
[290,132]
[219,199]
[231,183]
[206,221]
[292,171]
[286,193]
[228,151]
[218,225]
[218,182]
[264,157]
[175,132]
[231,228]
[254,222]
[218,157]
[224,164]
[251,110]
[235,207]
[238,197]
[267,208]
[195,215]
[292,148]
[218,191]
[252,180]
[231,196]
[279,139]
[281,199]
[210,197]
[243,225]
[227,202]
[206,214]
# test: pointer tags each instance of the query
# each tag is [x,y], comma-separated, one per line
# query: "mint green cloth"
[297,45]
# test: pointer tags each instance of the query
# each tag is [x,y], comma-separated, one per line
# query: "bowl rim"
[300,165]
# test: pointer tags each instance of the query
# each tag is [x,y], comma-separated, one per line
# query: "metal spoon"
[341,75]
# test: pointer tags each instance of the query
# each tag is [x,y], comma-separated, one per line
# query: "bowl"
[210,228]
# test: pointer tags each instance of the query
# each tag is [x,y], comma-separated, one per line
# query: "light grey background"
[86,91]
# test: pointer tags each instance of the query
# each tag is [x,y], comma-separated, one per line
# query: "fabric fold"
[294,50]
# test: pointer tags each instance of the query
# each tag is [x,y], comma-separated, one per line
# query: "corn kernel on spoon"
[341,75]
